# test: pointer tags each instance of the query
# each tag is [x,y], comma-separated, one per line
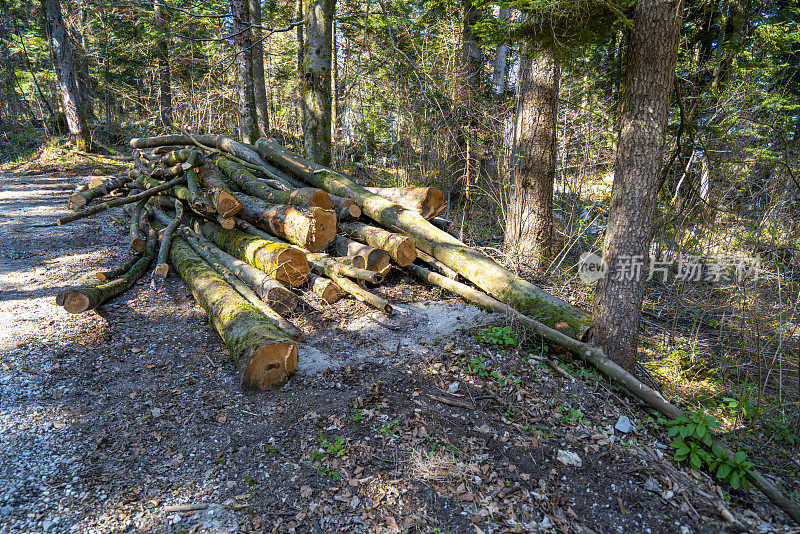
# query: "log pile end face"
[323,231]
[270,366]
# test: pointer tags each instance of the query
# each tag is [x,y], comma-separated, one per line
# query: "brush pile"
[245,224]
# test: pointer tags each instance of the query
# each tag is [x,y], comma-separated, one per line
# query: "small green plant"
[743,405]
[334,448]
[477,366]
[693,444]
[251,481]
[387,429]
[327,471]
[498,336]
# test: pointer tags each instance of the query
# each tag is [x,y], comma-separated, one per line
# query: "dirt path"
[130,419]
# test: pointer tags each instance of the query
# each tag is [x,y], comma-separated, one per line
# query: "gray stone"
[6,510]
[624,425]
[570,458]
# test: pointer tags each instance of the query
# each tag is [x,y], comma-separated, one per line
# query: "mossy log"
[162,265]
[265,356]
[207,253]
[401,248]
[219,193]
[105,276]
[268,289]
[473,265]
[375,259]
[311,228]
[135,232]
[346,208]
[247,182]
[197,204]
[325,288]
[436,265]
[168,172]
[97,208]
[81,299]
[326,265]
[277,259]
[425,200]
[189,155]
[81,198]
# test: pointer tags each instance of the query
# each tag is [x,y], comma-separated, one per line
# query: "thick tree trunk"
[259,85]
[162,53]
[277,259]
[242,46]
[317,80]
[529,223]
[65,72]
[400,248]
[311,228]
[81,299]
[264,354]
[649,76]
[468,262]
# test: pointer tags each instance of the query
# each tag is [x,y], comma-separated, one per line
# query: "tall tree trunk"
[65,71]
[500,59]
[242,46]
[84,77]
[529,223]
[317,80]
[647,89]
[162,52]
[259,86]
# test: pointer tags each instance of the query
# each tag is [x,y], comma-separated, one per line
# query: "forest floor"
[130,418]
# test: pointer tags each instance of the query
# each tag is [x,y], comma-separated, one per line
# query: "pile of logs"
[245,224]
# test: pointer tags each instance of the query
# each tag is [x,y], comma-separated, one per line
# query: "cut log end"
[377,260]
[75,301]
[405,253]
[77,200]
[227,223]
[270,366]
[323,232]
[354,211]
[282,300]
[387,310]
[101,276]
[162,270]
[138,245]
[326,289]
[227,205]
[321,199]
[293,267]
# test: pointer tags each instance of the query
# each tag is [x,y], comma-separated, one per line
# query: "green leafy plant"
[693,444]
[498,336]
[334,448]
[477,366]
[744,405]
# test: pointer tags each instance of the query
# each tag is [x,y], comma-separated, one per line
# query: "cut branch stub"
[264,355]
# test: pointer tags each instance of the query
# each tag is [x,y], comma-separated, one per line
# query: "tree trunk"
[647,90]
[317,80]
[221,196]
[426,200]
[259,86]
[500,59]
[264,355]
[162,53]
[400,248]
[375,259]
[325,288]
[65,72]
[468,262]
[242,46]
[529,223]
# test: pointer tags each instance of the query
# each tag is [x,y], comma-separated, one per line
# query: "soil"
[131,419]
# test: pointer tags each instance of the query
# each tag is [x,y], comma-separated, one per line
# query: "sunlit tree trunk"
[65,72]
[317,80]
[500,59]
[259,86]
[162,52]
[647,90]
[529,224]
[242,46]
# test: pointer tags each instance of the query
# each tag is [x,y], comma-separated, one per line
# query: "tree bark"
[426,200]
[259,85]
[500,59]
[242,46]
[468,262]
[647,89]
[325,288]
[162,53]
[264,355]
[221,196]
[317,80]
[529,223]
[65,72]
